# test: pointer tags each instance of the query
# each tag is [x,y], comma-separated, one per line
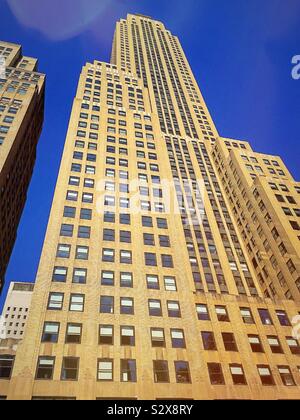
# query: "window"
[209,342]
[73,334]
[77,303]
[125,237]
[178,339]
[149,239]
[216,374]
[55,302]
[247,316]
[60,274]
[255,344]
[45,368]
[150,259]
[128,370]
[147,221]
[164,241]
[86,214]
[50,332]
[274,344]
[161,371]
[63,251]
[202,312]
[158,337]
[125,257]
[79,275]
[108,255]
[229,342]
[126,306]
[106,305]
[265,317]
[170,284]
[182,371]
[293,345]
[283,319]
[66,230]
[70,367]
[222,314]
[84,232]
[68,212]
[82,252]
[167,261]
[173,309]
[106,335]
[265,375]
[152,282]
[107,278]
[238,375]
[127,336]
[105,370]
[108,235]
[6,366]
[154,307]
[286,376]
[125,219]
[126,280]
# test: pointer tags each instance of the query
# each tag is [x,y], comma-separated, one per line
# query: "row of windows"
[74,333]
[161,374]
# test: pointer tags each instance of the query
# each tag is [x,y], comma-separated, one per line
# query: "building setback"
[170,267]
[21,120]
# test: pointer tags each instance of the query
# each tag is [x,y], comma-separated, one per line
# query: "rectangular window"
[106,335]
[158,337]
[229,342]
[82,252]
[182,371]
[150,259]
[50,332]
[126,306]
[128,371]
[216,374]
[222,314]
[238,375]
[127,336]
[274,344]
[73,334]
[265,317]
[45,368]
[126,280]
[170,284]
[6,366]
[178,339]
[286,376]
[60,274]
[55,302]
[255,344]
[247,316]
[105,370]
[209,342]
[106,305]
[107,278]
[108,255]
[173,309]
[152,282]
[161,371]
[70,368]
[63,251]
[202,312]
[77,303]
[84,232]
[66,230]
[265,375]
[79,275]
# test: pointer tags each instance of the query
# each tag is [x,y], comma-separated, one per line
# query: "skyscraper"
[21,120]
[170,268]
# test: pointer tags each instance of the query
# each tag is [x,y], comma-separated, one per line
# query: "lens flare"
[58,19]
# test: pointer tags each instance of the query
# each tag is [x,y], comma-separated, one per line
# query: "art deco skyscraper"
[21,120]
[170,267]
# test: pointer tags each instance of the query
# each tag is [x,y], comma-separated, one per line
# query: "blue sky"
[240,52]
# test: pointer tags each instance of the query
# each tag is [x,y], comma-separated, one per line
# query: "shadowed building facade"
[170,267]
[21,120]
